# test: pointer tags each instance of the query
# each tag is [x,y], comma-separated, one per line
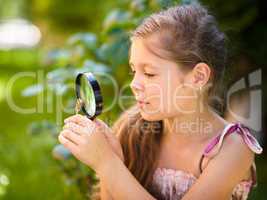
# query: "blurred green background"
[48,42]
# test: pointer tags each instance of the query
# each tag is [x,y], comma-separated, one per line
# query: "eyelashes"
[132,72]
[149,75]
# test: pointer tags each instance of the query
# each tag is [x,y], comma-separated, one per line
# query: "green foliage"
[43,127]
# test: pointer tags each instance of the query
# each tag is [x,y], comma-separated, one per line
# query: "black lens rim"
[97,93]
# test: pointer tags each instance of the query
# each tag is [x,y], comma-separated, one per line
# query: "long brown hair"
[187,34]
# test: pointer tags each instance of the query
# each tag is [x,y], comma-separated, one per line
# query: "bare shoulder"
[235,148]
[234,156]
[224,171]
[233,160]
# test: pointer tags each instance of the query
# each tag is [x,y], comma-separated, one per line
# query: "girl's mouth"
[141,102]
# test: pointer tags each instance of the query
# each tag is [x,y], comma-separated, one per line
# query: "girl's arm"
[117,178]
[223,172]
[87,141]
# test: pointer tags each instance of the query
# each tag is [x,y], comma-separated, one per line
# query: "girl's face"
[160,87]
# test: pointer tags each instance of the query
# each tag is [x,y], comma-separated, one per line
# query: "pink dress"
[173,184]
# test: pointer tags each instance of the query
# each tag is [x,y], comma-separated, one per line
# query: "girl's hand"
[112,139]
[91,142]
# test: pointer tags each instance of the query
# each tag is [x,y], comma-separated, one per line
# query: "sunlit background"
[45,43]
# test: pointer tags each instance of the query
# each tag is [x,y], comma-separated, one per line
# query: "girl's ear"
[200,75]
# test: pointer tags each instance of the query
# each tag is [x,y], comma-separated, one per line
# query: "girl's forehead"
[148,53]
[144,65]
[145,54]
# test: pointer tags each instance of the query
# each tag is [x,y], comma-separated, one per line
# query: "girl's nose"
[136,87]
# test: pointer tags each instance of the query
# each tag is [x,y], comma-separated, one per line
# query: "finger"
[100,122]
[75,128]
[102,125]
[79,119]
[81,130]
[73,137]
[67,143]
[71,117]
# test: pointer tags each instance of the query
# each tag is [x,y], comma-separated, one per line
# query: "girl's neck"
[193,127]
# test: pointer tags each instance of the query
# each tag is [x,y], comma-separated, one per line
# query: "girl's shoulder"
[233,149]
[233,135]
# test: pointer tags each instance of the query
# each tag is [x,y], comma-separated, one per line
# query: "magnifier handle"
[92,118]
[95,120]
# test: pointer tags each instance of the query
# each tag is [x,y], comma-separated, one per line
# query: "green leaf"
[58,57]
[42,127]
[92,66]
[115,52]
[58,88]
[32,90]
[89,40]
[138,5]
[61,75]
[117,18]
[61,153]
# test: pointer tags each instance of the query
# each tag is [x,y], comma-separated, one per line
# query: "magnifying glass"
[88,93]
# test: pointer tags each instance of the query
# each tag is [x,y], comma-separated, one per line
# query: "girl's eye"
[132,72]
[149,75]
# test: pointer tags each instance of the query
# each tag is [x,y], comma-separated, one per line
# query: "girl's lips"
[142,102]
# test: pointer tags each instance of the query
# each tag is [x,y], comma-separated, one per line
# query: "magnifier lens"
[89,98]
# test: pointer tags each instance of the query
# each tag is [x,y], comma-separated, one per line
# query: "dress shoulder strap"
[216,142]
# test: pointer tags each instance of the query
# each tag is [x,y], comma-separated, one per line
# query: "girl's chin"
[150,116]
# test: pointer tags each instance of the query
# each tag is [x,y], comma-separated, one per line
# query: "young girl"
[172,144]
